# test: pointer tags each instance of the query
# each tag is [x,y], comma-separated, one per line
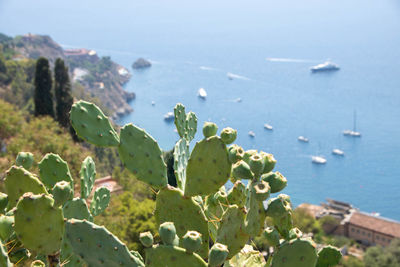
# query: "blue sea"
[269,46]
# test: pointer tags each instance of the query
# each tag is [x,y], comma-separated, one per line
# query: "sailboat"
[352,133]
[318,159]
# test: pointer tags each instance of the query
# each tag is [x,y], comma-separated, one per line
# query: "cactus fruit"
[100,201]
[3,202]
[6,227]
[247,257]
[77,209]
[237,194]
[231,230]
[271,235]
[191,241]
[24,159]
[92,125]
[186,124]
[172,256]
[167,233]
[256,164]
[295,253]
[241,170]
[208,168]
[146,239]
[39,213]
[228,135]
[141,155]
[217,255]
[4,260]
[181,157]
[38,263]
[248,154]
[276,181]
[87,175]
[185,213]
[18,181]
[236,153]
[209,129]
[53,169]
[328,256]
[62,192]
[269,161]
[97,246]
[295,233]
[261,190]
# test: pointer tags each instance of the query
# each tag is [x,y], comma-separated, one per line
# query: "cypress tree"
[43,96]
[64,99]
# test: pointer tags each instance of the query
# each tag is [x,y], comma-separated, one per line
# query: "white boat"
[153,103]
[238,100]
[268,127]
[202,93]
[318,160]
[230,76]
[327,66]
[252,134]
[337,152]
[302,139]
[169,116]
[352,133]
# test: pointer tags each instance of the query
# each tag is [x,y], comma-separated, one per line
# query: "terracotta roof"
[313,210]
[377,224]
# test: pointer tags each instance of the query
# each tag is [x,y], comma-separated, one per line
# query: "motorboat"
[268,127]
[252,134]
[352,133]
[337,152]
[326,66]
[153,103]
[318,160]
[169,116]
[302,139]
[202,93]
[230,76]
[238,100]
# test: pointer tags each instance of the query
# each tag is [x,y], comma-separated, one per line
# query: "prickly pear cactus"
[181,158]
[295,253]
[62,192]
[24,159]
[88,175]
[6,226]
[3,202]
[78,209]
[186,124]
[101,199]
[53,169]
[328,256]
[141,155]
[97,246]
[247,257]
[4,260]
[92,125]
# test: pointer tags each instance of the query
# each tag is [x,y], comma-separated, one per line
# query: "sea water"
[269,47]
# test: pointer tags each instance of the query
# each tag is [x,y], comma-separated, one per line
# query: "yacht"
[302,139]
[238,100]
[252,134]
[268,127]
[169,116]
[327,66]
[153,103]
[352,133]
[318,160]
[202,93]
[230,76]
[337,152]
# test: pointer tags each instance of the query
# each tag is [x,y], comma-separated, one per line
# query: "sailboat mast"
[354,120]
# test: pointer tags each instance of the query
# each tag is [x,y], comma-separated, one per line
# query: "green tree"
[383,257]
[62,88]
[43,97]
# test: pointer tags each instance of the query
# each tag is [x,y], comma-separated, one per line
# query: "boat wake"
[209,68]
[236,76]
[289,60]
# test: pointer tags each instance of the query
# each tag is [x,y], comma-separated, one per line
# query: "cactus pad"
[295,253]
[92,125]
[247,257]
[38,224]
[271,235]
[100,201]
[186,124]
[88,175]
[328,257]
[53,169]
[172,256]
[62,192]
[24,159]
[255,216]
[185,213]
[237,194]
[181,157]
[141,155]
[208,167]
[3,202]
[276,181]
[97,246]
[18,181]
[214,207]
[77,209]
[6,227]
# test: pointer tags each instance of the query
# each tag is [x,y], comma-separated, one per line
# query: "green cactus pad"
[228,135]
[247,257]
[24,159]
[100,201]
[62,192]
[237,194]
[53,169]
[241,170]
[186,124]
[271,235]
[97,246]
[18,181]
[231,230]
[88,175]
[217,255]
[209,129]
[38,263]
[38,224]
[269,161]
[278,207]
[146,239]
[276,181]
[208,168]
[167,233]
[6,227]
[255,212]
[236,153]
[191,241]
[141,155]
[3,202]
[295,253]
[92,125]
[181,157]
[284,224]
[184,212]
[172,256]
[4,260]
[214,207]
[328,257]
